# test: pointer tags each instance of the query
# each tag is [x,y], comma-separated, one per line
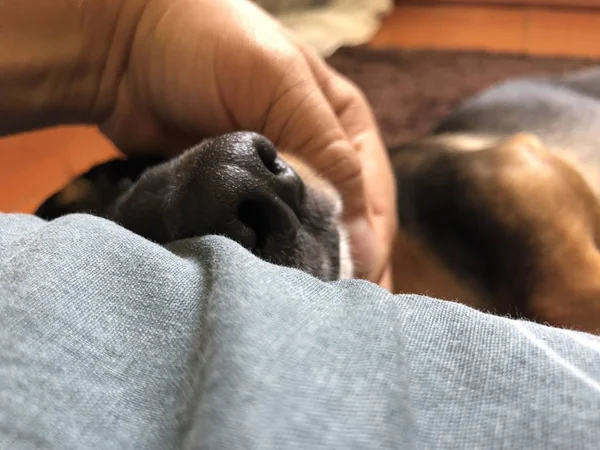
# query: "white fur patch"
[345,254]
[466,142]
[346,265]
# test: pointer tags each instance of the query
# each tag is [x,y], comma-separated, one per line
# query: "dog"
[498,205]
[235,185]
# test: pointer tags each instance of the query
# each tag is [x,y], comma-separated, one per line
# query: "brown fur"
[548,200]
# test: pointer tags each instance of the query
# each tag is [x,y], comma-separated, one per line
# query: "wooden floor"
[33,165]
[524,30]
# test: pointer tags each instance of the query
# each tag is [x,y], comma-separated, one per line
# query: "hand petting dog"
[157,75]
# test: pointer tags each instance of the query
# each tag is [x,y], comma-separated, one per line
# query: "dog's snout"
[284,181]
[271,204]
[254,194]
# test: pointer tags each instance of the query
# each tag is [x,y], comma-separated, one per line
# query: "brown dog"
[498,206]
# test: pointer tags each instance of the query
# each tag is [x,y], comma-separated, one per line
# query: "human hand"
[199,68]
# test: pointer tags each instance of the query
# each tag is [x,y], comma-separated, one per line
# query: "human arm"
[158,75]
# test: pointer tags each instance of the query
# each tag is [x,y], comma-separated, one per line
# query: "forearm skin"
[61,60]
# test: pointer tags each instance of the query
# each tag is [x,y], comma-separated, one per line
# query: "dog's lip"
[287,223]
[294,194]
[247,236]
[292,216]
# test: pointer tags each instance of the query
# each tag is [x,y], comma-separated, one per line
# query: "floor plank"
[455,27]
[563,33]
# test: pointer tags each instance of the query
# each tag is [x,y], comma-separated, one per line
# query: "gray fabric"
[108,341]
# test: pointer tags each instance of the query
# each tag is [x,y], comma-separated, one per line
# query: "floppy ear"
[80,195]
[93,191]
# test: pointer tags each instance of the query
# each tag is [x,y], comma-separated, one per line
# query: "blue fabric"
[108,341]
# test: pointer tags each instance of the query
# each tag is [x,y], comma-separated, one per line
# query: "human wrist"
[61,60]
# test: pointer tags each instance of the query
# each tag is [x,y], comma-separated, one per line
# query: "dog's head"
[503,224]
[236,185]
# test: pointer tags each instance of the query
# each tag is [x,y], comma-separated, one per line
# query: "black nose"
[242,189]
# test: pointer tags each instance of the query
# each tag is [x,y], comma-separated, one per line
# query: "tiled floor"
[33,165]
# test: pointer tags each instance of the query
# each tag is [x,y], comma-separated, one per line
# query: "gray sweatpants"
[108,341]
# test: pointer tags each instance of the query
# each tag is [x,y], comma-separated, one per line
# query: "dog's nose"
[249,193]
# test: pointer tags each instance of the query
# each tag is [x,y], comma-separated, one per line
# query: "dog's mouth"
[263,230]
[315,242]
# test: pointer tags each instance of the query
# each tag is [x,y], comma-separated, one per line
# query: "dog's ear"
[80,195]
[94,191]
[75,192]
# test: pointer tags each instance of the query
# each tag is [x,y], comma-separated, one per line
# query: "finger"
[135,131]
[380,184]
[386,281]
[302,120]
[359,123]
